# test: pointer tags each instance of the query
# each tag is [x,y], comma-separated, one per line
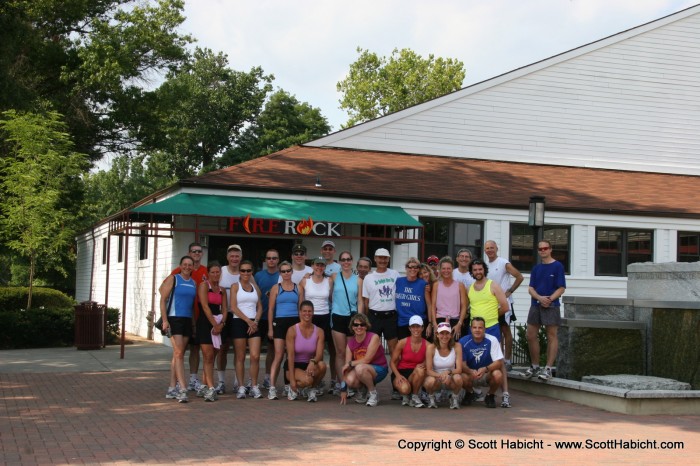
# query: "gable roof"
[629,101]
[408,178]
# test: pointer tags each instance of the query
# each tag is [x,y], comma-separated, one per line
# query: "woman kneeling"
[305,347]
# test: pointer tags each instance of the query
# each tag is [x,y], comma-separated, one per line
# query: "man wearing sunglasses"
[327,252]
[266,278]
[199,274]
[299,267]
[547,284]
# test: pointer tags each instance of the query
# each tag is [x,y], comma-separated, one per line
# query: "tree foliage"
[284,122]
[36,182]
[377,86]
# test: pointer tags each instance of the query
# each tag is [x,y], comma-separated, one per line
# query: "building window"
[444,236]
[104,251]
[617,248]
[522,248]
[120,249]
[143,245]
[688,246]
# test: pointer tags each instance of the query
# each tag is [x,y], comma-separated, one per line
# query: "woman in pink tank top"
[305,352]
[449,300]
[408,364]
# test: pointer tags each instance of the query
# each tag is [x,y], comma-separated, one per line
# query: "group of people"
[443,333]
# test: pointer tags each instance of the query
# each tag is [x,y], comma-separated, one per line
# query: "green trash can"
[90,325]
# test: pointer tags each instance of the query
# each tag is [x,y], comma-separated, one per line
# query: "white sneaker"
[286,389]
[361,396]
[241,393]
[202,391]
[171,394]
[431,402]
[182,396]
[210,395]
[405,400]
[506,400]
[192,386]
[416,402]
[221,388]
[292,395]
[255,392]
[454,401]
[312,396]
[373,399]
[272,394]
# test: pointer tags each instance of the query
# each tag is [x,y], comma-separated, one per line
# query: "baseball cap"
[382,252]
[444,327]
[328,243]
[299,247]
[234,246]
[432,260]
[318,260]
[415,320]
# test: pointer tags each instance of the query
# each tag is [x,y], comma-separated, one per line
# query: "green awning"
[279,209]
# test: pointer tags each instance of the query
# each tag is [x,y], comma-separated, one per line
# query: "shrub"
[113,319]
[15,298]
[37,328]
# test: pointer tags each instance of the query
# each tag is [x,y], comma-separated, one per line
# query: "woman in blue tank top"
[282,314]
[177,295]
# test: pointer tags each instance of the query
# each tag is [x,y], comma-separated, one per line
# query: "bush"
[15,298]
[113,319]
[523,347]
[38,328]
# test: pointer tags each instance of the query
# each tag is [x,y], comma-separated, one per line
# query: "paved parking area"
[114,412]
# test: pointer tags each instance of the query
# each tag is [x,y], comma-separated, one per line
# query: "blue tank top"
[183,297]
[287,302]
[341,306]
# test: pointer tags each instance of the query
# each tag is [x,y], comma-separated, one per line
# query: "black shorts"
[384,323]
[181,326]
[324,323]
[227,332]
[239,330]
[297,365]
[280,326]
[204,330]
[341,324]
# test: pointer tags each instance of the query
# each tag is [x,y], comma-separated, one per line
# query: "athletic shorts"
[324,323]
[204,330]
[297,365]
[381,371]
[239,329]
[547,316]
[341,324]
[280,326]
[384,323]
[508,317]
[181,326]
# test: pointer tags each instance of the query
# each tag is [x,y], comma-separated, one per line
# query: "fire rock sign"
[262,226]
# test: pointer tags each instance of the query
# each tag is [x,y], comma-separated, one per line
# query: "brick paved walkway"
[123,418]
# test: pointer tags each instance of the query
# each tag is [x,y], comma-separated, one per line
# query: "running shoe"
[171,394]
[241,393]
[255,392]
[506,400]
[182,396]
[431,402]
[211,395]
[221,388]
[531,372]
[266,383]
[490,401]
[361,396]
[192,386]
[405,400]
[373,399]
[468,398]
[454,401]
[312,396]
[272,393]
[202,391]
[395,395]
[416,402]
[545,374]
[292,395]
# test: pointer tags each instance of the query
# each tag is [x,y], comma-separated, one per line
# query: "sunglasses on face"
[246,270]
[359,324]
[285,270]
[346,259]
[272,258]
[299,254]
[196,251]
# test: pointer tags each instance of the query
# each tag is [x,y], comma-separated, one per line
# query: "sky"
[308,45]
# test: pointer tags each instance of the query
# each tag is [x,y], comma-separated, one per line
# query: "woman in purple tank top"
[305,348]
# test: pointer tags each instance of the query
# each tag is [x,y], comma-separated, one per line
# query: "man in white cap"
[328,251]
[379,294]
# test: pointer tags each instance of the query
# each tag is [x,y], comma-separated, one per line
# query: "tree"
[283,123]
[377,86]
[199,111]
[37,179]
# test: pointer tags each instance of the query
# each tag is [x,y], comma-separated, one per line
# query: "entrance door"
[254,248]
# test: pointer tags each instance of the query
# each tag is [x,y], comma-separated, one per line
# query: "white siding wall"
[628,104]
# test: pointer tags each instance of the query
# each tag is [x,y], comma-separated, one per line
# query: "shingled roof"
[356,174]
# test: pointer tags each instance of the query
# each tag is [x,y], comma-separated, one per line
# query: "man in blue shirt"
[482,362]
[547,284]
[266,279]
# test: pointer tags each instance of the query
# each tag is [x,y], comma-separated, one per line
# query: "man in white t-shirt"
[461,273]
[378,292]
[501,271]
[299,267]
